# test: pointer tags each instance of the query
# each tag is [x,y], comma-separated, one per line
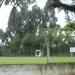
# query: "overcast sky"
[5,11]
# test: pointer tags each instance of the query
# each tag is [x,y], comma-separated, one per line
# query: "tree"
[69,27]
[16,25]
[1,35]
[22,23]
[34,19]
[31,40]
[69,34]
[59,4]
[50,12]
[15,2]
[69,9]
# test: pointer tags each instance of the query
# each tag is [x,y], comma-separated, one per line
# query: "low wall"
[51,69]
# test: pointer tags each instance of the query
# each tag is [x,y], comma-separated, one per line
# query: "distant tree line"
[60,41]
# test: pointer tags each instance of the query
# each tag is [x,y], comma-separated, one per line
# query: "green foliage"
[50,14]
[31,40]
[70,27]
[15,43]
[15,2]
[1,34]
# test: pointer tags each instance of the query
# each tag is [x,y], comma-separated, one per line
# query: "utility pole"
[47,41]
[52,22]
[48,53]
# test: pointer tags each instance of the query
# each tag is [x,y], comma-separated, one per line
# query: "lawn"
[35,60]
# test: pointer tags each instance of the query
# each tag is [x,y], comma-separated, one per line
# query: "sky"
[5,12]
[4,16]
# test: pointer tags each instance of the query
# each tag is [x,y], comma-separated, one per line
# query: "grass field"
[35,60]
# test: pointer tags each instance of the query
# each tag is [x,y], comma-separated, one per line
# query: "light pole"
[47,42]
[48,53]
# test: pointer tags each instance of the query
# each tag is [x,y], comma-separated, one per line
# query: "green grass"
[35,60]
[22,60]
[62,60]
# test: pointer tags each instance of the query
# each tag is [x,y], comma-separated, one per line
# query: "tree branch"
[64,6]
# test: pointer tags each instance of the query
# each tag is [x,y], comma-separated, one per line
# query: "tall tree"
[51,14]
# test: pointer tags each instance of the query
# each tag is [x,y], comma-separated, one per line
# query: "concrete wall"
[51,69]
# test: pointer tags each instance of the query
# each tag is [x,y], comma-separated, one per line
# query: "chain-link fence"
[34,51]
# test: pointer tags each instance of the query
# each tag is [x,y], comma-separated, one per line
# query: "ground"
[35,60]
